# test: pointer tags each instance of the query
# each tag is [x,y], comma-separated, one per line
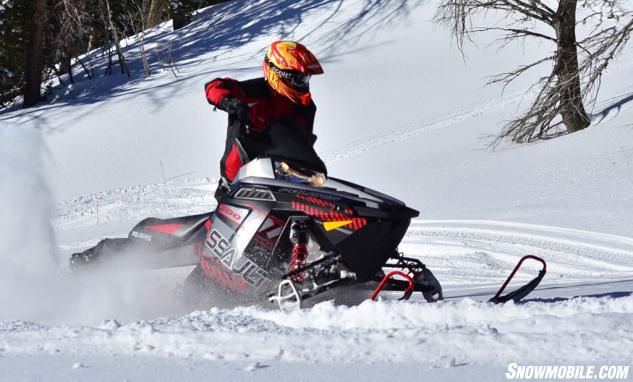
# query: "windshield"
[287,141]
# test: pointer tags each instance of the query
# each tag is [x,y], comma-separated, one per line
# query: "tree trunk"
[179,15]
[566,67]
[155,14]
[34,55]
[66,67]
[117,41]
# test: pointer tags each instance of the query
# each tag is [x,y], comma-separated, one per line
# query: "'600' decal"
[230,213]
[221,248]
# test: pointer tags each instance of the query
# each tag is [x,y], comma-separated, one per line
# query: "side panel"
[223,257]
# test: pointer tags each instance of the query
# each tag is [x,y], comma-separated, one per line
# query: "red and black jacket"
[266,106]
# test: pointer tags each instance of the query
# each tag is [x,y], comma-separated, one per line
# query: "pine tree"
[13,15]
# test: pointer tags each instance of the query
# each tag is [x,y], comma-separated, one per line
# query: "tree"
[13,16]
[577,65]
[114,31]
[35,55]
[69,35]
[43,38]
[155,13]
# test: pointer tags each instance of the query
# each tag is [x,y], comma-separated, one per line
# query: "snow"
[448,334]
[400,112]
[27,249]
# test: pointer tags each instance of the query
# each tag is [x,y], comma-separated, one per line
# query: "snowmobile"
[289,233]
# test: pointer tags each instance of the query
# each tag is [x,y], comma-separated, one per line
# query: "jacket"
[265,105]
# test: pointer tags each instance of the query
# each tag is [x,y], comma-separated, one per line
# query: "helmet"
[288,66]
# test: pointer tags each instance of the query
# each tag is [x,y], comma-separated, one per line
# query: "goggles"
[291,77]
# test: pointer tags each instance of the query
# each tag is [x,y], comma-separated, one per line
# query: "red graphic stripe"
[231,281]
[330,215]
[165,228]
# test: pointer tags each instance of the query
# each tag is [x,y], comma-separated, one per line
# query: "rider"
[254,104]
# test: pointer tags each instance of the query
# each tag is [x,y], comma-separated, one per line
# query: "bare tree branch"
[507,78]
[577,64]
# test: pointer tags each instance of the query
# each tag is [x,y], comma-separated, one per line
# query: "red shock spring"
[298,261]
[299,254]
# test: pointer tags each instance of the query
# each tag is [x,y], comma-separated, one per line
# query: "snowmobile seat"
[173,230]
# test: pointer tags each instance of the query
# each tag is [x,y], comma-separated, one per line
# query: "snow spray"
[28,267]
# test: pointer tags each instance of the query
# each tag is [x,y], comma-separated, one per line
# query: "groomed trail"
[468,255]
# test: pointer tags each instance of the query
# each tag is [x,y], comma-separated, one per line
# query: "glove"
[236,107]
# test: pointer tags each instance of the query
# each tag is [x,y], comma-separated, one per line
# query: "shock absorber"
[299,255]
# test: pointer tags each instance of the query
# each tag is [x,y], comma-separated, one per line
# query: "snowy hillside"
[399,111]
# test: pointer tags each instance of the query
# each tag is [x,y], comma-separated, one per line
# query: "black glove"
[234,106]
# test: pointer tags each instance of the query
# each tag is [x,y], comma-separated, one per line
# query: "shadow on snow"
[217,32]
